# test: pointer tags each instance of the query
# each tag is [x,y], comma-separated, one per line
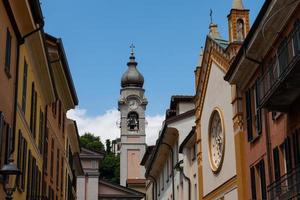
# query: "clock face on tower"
[133,104]
[216,141]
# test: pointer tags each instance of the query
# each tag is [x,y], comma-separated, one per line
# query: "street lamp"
[7,171]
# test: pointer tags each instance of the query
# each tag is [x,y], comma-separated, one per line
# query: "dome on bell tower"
[132,77]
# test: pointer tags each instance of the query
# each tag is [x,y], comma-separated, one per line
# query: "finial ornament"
[132,47]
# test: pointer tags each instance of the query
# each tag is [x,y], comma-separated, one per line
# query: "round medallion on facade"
[216,140]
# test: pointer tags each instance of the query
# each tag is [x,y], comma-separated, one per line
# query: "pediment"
[113,191]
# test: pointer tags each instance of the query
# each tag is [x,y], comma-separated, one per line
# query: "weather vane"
[132,47]
[211,16]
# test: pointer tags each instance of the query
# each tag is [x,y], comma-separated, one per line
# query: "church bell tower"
[238,26]
[132,105]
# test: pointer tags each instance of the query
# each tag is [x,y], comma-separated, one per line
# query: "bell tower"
[132,105]
[238,26]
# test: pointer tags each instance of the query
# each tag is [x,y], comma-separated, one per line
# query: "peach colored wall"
[132,139]
[133,157]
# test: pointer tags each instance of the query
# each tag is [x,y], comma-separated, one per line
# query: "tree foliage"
[110,166]
[92,142]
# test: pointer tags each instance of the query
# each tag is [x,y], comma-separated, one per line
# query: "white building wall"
[92,188]
[218,95]
[80,187]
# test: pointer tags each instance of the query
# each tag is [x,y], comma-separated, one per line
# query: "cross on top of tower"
[132,47]
[211,16]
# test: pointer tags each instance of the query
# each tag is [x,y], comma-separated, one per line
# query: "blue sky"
[168,35]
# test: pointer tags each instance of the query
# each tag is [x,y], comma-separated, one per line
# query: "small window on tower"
[240,30]
[133,121]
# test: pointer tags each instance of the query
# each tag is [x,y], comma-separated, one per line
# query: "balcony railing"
[286,59]
[287,187]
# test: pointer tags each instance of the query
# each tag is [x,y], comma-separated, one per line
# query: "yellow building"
[62,141]
[35,91]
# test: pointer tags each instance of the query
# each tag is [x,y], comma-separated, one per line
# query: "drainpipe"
[172,154]
[180,169]
[154,190]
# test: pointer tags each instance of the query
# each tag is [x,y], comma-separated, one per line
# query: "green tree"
[110,168]
[90,141]
[108,146]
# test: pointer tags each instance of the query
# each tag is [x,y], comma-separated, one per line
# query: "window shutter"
[263,180]
[32,108]
[1,136]
[287,151]
[258,110]
[24,90]
[20,156]
[276,163]
[296,37]
[8,50]
[253,182]
[24,164]
[249,115]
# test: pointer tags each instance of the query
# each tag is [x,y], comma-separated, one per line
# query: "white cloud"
[105,125]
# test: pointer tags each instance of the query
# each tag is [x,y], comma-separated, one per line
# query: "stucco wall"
[218,95]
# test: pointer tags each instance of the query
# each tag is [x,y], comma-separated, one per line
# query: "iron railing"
[286,187]
[281,65]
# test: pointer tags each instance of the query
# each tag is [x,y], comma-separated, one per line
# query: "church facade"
[217,157]
[132,105]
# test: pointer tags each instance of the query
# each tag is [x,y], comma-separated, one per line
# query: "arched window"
[133,121]
[240,30]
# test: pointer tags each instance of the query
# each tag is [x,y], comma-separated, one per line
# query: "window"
[21,162]
[133,121]
[57,168]
[63,123]
[52,158]
[28,196]
[276,163]
[253,183]
[46,150]
[253,112]
[62,175]
[262,174]
[8,52]
[24,90]
[54,107]
[296,38]
[59,114]
[33,110]
[1,137]
[41,131]
[287,155]
[168,168]
[194,152]
[240,30]
[296,147]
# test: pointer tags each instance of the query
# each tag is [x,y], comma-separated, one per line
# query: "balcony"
[287,187]
[280,83]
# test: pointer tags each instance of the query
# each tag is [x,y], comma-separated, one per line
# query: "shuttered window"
[276,163]
[24,89]
[1,137]
[253,182]
[262,174]
[296,147]
[257,109]
[29,172]
[33,111]
[8,51]
[41,131]
[249,115]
